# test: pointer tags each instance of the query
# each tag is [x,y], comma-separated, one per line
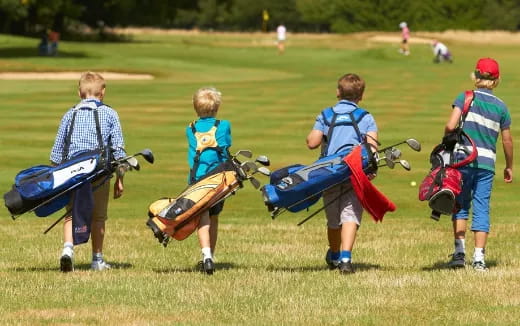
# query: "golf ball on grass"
[413,183]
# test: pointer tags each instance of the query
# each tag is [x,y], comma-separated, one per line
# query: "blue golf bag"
[298,187]
[46,189]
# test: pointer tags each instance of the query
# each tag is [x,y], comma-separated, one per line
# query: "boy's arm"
[59,142]
[453,121]
[507,143]
[116,137]
[314,139]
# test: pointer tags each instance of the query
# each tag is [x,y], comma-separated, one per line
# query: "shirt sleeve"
[59,143]
[319,124]
[459,101]
[371,124]
[224,138]
[116,136]
[505,121]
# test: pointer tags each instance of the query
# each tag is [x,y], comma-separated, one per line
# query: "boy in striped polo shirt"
[488,118]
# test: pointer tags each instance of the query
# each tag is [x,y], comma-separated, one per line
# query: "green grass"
[268,272]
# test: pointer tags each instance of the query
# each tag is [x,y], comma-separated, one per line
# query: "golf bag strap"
[203,144]
[325,146]
[68,138]
[468,100]
[354,120]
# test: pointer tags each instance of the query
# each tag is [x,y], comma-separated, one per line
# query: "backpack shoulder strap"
[468,101]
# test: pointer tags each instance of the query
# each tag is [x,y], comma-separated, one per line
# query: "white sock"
[460,246]
[97,256]
[479,254]
[68,249]
[68,245]
[206,253]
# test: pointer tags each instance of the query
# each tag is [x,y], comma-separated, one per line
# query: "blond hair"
[91,84]
[351,87]
[206,101]
[484,83]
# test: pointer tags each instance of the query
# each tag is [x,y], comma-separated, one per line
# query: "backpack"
[444,181]
[205,141]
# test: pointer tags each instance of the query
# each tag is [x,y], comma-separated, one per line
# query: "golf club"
[244,152]
[264,160]
[412,143]
[388,158]
[263,170]
[254,182]
[405,164]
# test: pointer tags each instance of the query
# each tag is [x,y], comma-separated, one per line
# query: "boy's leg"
[203,233]
[67,254]
[460,220]
[480,224]
[350,222]
[99,216]
[213,232]
[333,209]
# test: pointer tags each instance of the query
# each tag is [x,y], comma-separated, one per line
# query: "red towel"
[370,198]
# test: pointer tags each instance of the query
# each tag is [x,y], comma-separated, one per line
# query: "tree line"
[337,16]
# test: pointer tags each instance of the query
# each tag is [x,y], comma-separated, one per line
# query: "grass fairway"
[268,272]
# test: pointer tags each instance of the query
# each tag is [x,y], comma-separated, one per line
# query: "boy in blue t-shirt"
[487,118]
[343,209]
[208,142]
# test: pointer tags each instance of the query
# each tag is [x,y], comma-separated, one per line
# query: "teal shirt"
[209,158]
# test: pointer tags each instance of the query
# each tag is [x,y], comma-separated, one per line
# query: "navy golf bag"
[46,189]
[298,187]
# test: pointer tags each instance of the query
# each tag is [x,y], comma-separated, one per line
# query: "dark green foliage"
[343,16]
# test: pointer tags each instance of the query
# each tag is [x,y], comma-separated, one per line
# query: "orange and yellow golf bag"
[179,217]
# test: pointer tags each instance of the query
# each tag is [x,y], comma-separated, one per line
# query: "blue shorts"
[476,190]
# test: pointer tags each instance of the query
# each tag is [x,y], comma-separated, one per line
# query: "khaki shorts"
[101,196]
[346,208]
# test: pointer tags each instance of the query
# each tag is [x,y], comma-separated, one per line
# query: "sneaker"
[332,263]
[345,267]
[208,266]
[479,266]
[100,265]
[457,260]
[66,260]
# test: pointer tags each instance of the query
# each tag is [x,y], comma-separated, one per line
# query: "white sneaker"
[100,265]
[67,260]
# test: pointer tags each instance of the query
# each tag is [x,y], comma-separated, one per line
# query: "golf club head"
[264,160]
[396,153]
[244,152]
[147,154]
[255,182]
[388,159]
[134,163]
[405,164]
[251,167]
[414,144]
[263,170]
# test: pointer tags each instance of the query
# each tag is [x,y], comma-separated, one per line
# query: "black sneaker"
[458,260]
[66,264]
[209,266]
[332,263]
[345,267]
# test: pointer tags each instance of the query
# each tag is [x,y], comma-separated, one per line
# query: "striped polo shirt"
[487,117]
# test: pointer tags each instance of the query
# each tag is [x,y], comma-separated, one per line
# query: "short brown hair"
[351,87]
[91,84]
[206,101]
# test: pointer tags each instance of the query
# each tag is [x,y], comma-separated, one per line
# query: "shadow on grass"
[195,269]
[32,52]
[357,267]
[77,268]
[443,265]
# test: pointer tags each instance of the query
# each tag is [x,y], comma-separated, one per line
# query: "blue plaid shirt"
[84,136]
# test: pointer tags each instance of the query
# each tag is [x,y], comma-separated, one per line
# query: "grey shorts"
[346,208]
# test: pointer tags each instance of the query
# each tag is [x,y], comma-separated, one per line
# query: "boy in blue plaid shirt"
[84,138]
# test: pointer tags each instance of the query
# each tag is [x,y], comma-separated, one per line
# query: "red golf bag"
[444,181]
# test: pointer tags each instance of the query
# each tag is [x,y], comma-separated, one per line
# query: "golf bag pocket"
[440,188]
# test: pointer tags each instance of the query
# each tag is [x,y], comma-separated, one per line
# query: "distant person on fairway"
[343,213]
[209,140]
[488,118]
[441,52]
[85,119]
[281,35]
[405,35]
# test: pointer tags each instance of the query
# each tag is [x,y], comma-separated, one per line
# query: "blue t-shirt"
[209,158]
[343,135]
[486,118]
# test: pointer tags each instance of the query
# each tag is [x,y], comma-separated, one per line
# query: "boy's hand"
[118,188]
[508,175]
[372,176]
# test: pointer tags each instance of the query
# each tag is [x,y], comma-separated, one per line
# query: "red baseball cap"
[487,68]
